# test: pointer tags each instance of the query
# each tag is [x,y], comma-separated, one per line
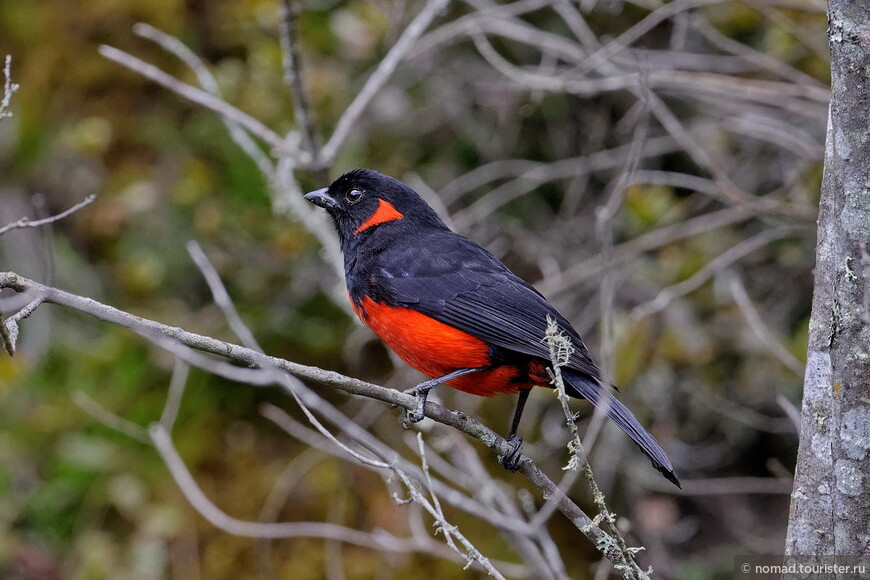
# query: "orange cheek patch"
[385,213]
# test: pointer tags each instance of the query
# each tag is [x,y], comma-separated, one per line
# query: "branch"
[764,334]
[379,78]
[293,77]
[380,540]
[164,335]
[27,223]
[9,88]
[203,98]
[717,264]
[285,191]
[221,296]
[207,81]
[560,351]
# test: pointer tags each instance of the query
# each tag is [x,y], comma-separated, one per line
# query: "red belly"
[435,349]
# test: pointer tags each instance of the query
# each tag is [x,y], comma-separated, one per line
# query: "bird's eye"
[353,195]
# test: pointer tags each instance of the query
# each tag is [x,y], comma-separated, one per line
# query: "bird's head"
[364,202]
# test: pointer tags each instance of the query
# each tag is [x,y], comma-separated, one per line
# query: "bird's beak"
[319,198]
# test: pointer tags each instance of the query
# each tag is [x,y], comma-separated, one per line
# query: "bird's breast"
[436,349]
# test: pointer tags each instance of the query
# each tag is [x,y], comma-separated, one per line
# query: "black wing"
[455,281]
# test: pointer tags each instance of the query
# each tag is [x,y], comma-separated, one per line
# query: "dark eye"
[353,195]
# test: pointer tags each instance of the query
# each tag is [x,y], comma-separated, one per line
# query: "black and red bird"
[452,310]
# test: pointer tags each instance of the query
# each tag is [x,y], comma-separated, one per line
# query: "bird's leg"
[511,461]
[421,392]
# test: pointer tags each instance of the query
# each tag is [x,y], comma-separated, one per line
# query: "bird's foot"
[421,393]
[514,458]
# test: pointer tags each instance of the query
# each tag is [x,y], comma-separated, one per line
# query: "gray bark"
[830,504]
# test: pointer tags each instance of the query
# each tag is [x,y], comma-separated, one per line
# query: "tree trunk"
[830,506]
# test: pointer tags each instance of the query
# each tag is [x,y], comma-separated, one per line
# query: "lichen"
[821,446]
[855,432]
[849,477]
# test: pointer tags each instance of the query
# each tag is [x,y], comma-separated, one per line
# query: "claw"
[421,393]
[514,458]
[409,417]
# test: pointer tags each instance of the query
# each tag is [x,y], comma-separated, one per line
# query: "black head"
[364,202]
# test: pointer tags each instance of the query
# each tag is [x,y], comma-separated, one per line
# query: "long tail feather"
[588,388]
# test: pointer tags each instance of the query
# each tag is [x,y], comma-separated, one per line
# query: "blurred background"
[653,169]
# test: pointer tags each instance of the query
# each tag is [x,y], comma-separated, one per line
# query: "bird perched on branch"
[452,310]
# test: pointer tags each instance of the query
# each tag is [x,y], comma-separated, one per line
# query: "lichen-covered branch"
[611,539]
[9,88]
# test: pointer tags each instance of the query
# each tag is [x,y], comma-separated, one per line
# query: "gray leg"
[511,461]
[421,392]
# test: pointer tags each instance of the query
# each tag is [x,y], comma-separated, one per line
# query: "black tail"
[578,385]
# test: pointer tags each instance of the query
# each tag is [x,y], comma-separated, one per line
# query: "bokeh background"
[714,367]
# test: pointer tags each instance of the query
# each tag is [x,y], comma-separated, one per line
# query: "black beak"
[319,198]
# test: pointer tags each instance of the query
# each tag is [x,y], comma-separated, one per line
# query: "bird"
[453,311]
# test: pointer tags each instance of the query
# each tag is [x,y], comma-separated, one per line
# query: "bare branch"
[379,78]
[9,326]
[167,336]
[173,397]
[242,138]
[560,351]
[715,265]
[110,419]
[630,36]
[794,414]
[204,99]
[376,540]
[592,266]
[396,466]
[221,296]
[286,193]
[738,291]
[27,223]
[293,77]
[528,175]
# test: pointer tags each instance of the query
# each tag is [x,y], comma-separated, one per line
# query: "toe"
[514,458]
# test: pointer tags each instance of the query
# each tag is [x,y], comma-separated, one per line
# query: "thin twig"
[174,395]
[379,78]
[9,325]
[238,134]
[285,190]
[28,223]
[436,504]
[471,554]
[433,507]
[203,98]
[720,262]
[764,334]
[591,267]
[292,62]
[377,540]
[110,419]
[221,296]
